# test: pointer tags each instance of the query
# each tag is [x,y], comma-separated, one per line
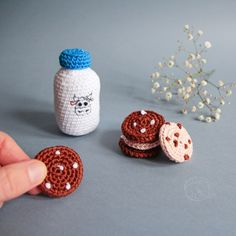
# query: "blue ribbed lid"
[75,58]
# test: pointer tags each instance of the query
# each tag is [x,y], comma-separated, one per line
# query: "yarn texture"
[64,171]
[75,58]
[77,100]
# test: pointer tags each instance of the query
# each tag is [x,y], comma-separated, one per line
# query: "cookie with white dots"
[176,142]
[64,171]
[140,134]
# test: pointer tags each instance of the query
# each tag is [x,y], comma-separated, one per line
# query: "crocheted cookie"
[176,142]
[142,126]
[140,134]
[132,152]
[65,171]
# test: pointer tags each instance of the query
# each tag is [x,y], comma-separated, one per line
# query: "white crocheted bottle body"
[77,100]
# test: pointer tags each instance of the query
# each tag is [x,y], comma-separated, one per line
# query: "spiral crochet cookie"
[65,171]
[140,134]
[176,142]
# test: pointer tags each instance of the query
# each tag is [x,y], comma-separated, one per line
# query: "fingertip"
[37,171]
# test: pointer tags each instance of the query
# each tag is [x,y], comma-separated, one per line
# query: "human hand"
[18,173]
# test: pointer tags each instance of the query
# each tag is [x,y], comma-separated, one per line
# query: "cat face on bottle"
[82,104]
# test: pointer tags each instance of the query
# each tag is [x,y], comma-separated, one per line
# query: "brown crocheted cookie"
[65,171]
[132,152]
[142,126]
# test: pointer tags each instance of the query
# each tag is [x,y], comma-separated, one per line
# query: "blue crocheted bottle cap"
[75,59]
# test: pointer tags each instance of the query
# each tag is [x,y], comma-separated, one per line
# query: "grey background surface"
[119,195]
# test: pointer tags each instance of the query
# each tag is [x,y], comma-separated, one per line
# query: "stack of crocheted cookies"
[145,133]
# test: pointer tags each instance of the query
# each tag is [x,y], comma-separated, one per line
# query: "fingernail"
[36,171]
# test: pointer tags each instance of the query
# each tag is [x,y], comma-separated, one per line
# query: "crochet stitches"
[140,136]
[65,171]
[175,141]
[76,96]
[75,58]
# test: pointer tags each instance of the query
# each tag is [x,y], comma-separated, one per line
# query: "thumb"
[18,178]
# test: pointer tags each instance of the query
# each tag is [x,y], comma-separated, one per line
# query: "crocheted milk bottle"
[76,93]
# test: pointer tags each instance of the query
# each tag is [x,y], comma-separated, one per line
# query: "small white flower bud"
[207,44]
[200,32]
[186,27]
[203,82]
[168,96]
[189,89]
[156,85]
[170,63]
[189,79]
[221,83]
[190,37]
[200,105]
[229,92]
[194,108]
[184,111]
[222,102]
[208,100]
[201,117]
[208,119]
[217,116]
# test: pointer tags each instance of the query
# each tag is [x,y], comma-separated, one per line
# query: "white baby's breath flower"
[195,81]
[222,102]
[200,105]
[208,101]
[190,37]
[180,91]
[203,60]
[153,75]
[228,92]
[189,79]
[184,111]
[153,90]
[156,85]
[205,92]
[189,89]
[221,83]
[186,27]
[170,63]
[200,32]
[157,74]
[218,110]
[201,117]
[160,65]
[208,119]
[168,96]
[203,82]
[217,116]
[179,81]
[186,63]
[198,56]
[165,88]
[193,85]
[207,44]
[191,57]
[194,108]
[186,96]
